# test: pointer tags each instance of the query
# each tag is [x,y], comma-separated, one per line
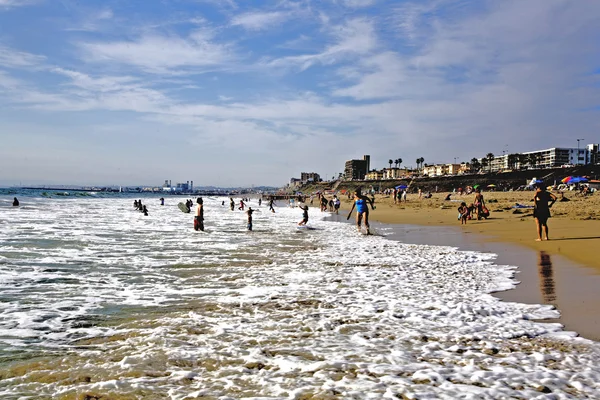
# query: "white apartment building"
[548,158]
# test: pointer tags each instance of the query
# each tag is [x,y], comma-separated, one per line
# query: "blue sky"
[231,92]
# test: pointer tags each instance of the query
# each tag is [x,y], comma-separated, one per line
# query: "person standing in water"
[231,203]
[542,202]
[249,212]
[361,202]
[199,218]
[162,201]
[259,201]
[242,205]
[336,204]
[16,202]
[271,205]
[304,208]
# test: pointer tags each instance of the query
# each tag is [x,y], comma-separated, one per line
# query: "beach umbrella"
[476,186]
[401,187]
[566,179]
[491,185]
[577,179]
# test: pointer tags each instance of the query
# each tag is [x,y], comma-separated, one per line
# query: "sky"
[239,93]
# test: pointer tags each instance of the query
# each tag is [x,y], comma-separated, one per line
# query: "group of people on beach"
[137,204]
[361,203]
[477,209]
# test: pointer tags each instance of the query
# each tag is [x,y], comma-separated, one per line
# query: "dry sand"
[574,225]
[564,271]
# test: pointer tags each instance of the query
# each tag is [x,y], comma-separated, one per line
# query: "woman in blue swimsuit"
[362,209]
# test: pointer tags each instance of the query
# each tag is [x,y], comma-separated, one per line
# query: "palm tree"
[532,160]
[484,162]
[475,164]
[490,158]
[390,161]
[420,160]
[399,161]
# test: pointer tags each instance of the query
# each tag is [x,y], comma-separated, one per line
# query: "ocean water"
[98,300]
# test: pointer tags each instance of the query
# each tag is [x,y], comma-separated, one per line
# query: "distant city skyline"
[233,94]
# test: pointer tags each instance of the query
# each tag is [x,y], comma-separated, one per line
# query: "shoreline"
[542,277]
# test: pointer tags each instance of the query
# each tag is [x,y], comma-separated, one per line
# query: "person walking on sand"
[16,202]
[249,212]
[361,203]
[199,218]
[304,209]
[542,202]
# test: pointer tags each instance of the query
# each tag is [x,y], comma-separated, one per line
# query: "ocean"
[99,301]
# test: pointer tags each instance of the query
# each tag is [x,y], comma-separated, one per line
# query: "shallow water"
[98,300]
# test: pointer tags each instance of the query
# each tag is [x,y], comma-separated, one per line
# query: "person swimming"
[16,202]
[361,203]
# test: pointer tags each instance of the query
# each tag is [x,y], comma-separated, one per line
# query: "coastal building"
[306,177]
[375,175]
[295,183]
[395,173]
[357,169]
[182,187]
[441,169]
[547,158]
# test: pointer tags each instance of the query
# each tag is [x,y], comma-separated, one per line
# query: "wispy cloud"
[10,58]
[256,21]
[358,3]
[355,37]
[6,4]
[92,21]
[160,54]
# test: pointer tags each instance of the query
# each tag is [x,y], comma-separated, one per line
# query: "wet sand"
[545,277]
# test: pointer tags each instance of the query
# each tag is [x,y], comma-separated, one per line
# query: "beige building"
[442,169]
[375,175]
[395,173]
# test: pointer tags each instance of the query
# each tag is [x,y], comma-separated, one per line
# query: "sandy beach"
[574,225]
[564,271]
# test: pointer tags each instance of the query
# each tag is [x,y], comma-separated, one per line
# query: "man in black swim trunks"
[542,202]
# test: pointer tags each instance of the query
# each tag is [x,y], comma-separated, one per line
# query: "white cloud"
[358,3]
[355,37]
[15,3]
[159,54]
[257,21]
[10,58]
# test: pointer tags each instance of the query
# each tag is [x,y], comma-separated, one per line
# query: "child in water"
[304,215]
[361,202]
